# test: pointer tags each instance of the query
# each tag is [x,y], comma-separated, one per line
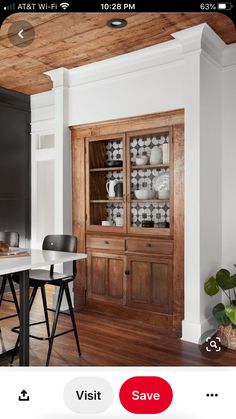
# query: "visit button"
[146,395]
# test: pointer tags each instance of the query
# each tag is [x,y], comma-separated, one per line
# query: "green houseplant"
[225,314]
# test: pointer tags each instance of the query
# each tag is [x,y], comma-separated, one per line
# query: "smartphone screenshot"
[117,209]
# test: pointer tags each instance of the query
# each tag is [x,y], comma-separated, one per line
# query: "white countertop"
[37,259]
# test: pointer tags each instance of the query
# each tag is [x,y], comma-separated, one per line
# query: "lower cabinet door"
[106,277]
[149,284]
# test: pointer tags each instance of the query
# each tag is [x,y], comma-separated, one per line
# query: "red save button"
[146,395]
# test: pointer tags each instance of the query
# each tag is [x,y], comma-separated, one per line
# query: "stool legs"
[67,291]
[45,308]
[14,295]
[63,288]
[52,335]
[32,298]
[13,292]
[3,286]
[57,311]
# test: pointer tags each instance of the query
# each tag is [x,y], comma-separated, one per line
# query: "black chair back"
[61,243]
[10,237]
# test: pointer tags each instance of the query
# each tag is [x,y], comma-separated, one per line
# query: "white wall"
[229,167]
[210,180]
[143,91]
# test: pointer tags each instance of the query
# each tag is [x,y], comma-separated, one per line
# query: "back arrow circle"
[21,33]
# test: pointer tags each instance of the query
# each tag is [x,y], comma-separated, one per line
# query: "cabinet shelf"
[150,166]
[105,201]
[150,200]
[106,169]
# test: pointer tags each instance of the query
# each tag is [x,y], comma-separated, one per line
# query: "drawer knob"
[127,272]
[148,245]
[106,242]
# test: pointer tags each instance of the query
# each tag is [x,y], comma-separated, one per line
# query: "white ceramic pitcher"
[110,187]
[156,155]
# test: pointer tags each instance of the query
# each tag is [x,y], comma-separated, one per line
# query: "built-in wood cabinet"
[132,270]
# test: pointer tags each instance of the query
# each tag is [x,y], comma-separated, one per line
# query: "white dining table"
[22,265]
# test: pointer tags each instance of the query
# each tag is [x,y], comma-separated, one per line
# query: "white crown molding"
[59,76]
[201,37]
[124,64]
[229,56]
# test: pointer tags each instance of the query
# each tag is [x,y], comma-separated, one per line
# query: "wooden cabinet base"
[162,322]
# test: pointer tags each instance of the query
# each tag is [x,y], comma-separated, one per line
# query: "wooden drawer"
[106,243]
[150,246]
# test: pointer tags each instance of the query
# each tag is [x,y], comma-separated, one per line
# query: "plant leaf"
[223,279]
[219,314]
[233,281]
[230,312]
[211,287]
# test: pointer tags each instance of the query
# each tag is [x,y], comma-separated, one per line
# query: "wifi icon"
[64,5]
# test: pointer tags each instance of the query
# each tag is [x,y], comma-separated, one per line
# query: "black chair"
[12,239]
[39,278]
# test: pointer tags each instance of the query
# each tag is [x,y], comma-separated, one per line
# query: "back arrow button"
[20,33]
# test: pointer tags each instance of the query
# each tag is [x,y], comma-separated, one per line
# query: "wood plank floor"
[107,341]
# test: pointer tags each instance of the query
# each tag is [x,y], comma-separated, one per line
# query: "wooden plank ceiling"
[74,39]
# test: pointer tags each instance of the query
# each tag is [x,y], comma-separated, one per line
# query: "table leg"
[24,319]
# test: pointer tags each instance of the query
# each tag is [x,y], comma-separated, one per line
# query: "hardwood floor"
[108,341]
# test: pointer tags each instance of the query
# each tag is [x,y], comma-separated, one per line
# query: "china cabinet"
[128,216]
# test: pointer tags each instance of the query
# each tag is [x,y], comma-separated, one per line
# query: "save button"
[142,395]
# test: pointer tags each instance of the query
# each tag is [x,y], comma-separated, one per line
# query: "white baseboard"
[191,332]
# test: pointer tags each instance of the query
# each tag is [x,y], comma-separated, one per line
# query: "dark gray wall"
[15,163]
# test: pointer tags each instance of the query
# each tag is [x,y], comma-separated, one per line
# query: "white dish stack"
[165,153]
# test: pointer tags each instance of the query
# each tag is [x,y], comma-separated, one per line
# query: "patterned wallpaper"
[158,212]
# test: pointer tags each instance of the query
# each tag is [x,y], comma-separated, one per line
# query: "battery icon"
[224,6]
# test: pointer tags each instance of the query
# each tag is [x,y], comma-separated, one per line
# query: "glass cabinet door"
[106,184]
[149,182]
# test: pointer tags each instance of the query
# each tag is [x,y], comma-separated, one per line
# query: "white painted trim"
[229,56]
[59,76]
[201,37]
[43,126]
[193,331]
[122,65]
[45,154]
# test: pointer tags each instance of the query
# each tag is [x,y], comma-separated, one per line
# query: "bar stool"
[12,239]
[39,278]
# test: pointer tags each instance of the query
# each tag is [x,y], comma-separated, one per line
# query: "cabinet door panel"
[160,289]
[141,272]
[106,277]
[115,278]
[150,284]
[98,268]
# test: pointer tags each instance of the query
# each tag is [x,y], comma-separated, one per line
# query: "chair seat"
[39,277]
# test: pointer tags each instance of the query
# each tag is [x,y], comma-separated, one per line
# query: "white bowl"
[164,194]
[142,194]
[141,160]
[106,223]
